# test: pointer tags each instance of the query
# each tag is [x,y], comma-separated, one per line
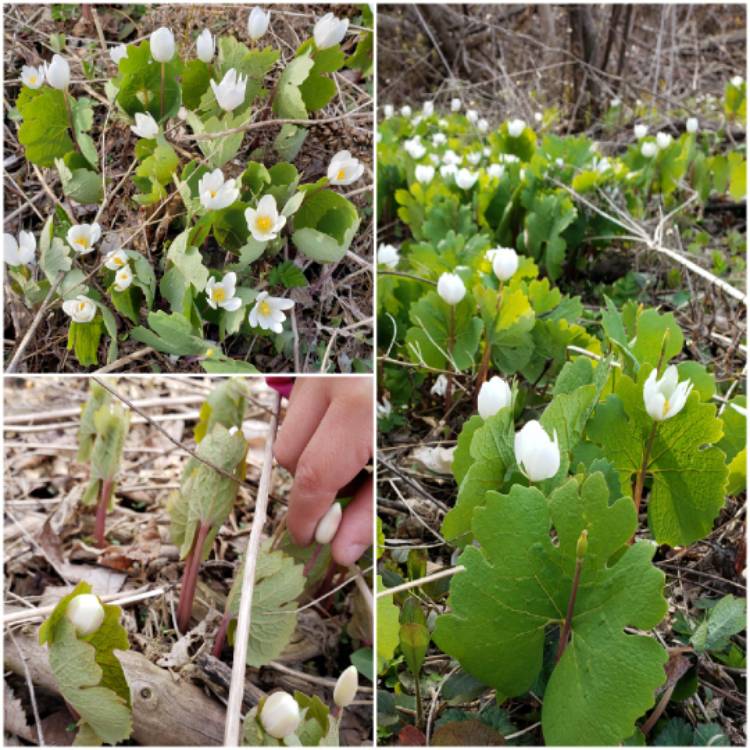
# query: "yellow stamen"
[218,294]
[665,408]
[82,241]
[119,261]
[263,223]
[212,193]
[81,306]
[32,79]
[264,308]
[341,174]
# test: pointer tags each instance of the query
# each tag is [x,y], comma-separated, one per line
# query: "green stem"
[418,696]
[451,344]
[641,477]
[161,91]
[568,624]
[485,364]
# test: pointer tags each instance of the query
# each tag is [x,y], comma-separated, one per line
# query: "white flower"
[145,126]
[455,104]
[388,256]
[414,148]
[439,139]
[440,386]
[474,158]
[691,125]
[215,192]
[466,179]
[257,22]
[264,222]
[451,288]
[428,108]
[663,140]
[496,170]
[205,46]
[19,252]
[516,127]
[665,397]
[434,158]
[640,130]
[483,125]
[83,237]
[162,45]
[32,77]
[448,170]
[329,524]
[388,110]
[538,116]
[81,309]
[120,52]
[85,613]
[537,455]
[57,72]
[737,81]
[616,102]
[560,162]
[346,687]
[344,169]
[221,293]
[649,149]
[472,115]
[123,279]
[405,111]
[451,157]
[493,395]
[385,409]
[424,173]
[115,260]
[268,312]
[182,114]
[280,715]
[504,262]
[329,31]
[230,93]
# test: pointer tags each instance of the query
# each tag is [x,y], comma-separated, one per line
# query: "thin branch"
[421,581]
[236,687]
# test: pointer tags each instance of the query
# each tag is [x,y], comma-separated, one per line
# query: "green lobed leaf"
[288,102]
[279,581]
[688,471]
[111,422]
[44,132]
[226,405]
[517,585]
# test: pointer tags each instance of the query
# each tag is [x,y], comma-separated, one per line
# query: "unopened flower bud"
[582,544]
[346,687]
[86,613]
[329,524]
[280,715]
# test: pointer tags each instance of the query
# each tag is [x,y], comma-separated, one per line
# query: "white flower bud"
[649,149]
[691,125]
[640,131]
[504,262]
[663,140]
[424,173]
[86,613]
[257,22]
[516,127]
[280,715]
[58,72]
[162,45]
[494,395]
[451,288]
[346,687]
[537,455]
[329,524]
[205,46]
[455,105]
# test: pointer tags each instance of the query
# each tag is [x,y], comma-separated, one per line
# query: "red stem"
[105,494]
[565,632]
[190,578]
[221,634]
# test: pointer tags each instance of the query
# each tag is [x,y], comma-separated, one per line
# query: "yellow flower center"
[218,294]
[82,241]
[665,409]
[263,223]
[264,308]
[212,193]
[119,261]
[32,79]
[81,306]
[341,174]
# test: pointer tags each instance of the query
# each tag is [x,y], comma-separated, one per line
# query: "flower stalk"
[451,344]
[485,364]
[161,90]
[641,476]
[568,624]
[105,496]
[190,578]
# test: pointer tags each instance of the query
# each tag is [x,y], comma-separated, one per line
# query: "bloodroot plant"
[104,426]
[249,221]
[81,635]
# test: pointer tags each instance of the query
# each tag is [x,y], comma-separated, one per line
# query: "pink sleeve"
[283,385]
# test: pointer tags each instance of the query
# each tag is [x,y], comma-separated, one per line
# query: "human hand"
[324,442]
